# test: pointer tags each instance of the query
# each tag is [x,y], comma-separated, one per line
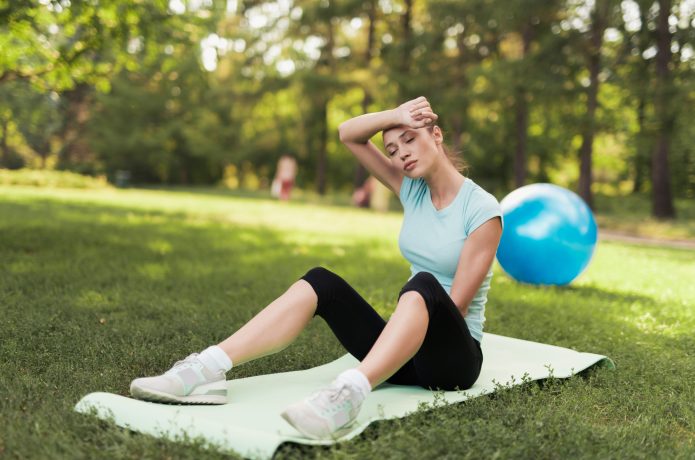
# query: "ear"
[437,134]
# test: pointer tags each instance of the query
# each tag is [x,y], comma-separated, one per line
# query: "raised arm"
[357,132]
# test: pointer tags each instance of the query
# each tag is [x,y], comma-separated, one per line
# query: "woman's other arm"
[476,258]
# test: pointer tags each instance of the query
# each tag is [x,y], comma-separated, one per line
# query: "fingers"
[418,104]
[425,114]
[418,112]
[420,108]
[422,123]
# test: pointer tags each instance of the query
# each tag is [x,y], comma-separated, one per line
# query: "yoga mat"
[250,424]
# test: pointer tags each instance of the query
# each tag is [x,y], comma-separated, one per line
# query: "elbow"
[462,304]
[341,133]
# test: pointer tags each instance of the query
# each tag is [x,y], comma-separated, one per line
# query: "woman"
[433,337]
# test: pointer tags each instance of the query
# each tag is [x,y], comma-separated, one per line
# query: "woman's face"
[412,150]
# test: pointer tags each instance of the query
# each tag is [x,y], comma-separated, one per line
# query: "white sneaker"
[324,413]
[188,382]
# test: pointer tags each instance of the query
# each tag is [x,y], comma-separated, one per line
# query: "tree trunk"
[459,118]
[325,68]
[521,119]
[644,138]
[361,171]
[44,151]
[641,149]
[662,200]
[75,150]
[322,138]
[406,28]
[598,26]
[521,124]
[4,147]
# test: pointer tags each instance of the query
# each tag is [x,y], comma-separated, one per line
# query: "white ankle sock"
[357,379]
[215,359]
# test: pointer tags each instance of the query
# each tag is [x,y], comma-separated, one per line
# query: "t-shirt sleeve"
[406,191]
[483,207]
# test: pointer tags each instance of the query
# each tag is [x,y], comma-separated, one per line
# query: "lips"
[409,165]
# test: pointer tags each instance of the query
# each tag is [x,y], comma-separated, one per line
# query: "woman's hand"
[416,113]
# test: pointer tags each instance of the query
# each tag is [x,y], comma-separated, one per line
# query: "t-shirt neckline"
[450,206]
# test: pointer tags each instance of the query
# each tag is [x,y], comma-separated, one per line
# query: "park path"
[611,235]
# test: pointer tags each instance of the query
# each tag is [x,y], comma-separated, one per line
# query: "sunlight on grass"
[161,247]
[91,300]
[100,286]
[153,271]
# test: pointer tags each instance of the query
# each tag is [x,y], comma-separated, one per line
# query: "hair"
[454,156]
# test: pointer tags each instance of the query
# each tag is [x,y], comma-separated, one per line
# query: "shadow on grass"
[93,296]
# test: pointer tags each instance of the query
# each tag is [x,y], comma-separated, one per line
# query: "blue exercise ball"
[549,235]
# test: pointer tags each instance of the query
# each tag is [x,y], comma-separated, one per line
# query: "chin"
[415,173]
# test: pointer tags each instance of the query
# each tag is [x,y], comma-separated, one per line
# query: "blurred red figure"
[283,182]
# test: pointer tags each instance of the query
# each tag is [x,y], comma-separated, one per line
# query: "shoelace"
[331,393]
[181,362]
[187,360]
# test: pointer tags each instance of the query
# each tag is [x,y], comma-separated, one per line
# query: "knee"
[412,296]
[324,282]
[320,275]
[424,278]
[427,286]
[423,282]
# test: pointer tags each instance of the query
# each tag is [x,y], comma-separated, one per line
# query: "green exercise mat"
[250,424]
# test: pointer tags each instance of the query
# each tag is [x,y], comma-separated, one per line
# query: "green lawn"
[100,286]
[632,215]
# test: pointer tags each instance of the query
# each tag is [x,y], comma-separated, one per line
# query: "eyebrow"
[399,136]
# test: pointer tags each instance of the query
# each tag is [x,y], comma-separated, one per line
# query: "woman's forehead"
[391,134]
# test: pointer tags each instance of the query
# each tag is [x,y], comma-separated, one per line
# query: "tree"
[600,17]
[371,13]
[662,199]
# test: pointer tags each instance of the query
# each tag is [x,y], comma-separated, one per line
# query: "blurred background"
[597,96]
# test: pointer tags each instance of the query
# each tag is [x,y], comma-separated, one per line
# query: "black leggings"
[449,358]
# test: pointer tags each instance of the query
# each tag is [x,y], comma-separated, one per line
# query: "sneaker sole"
[288,418]
[337,434]
[147,394]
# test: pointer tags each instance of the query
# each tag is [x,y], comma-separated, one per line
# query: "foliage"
[193,92]
[99,287]
[44,178]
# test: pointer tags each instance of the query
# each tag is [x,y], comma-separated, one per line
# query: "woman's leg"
[398,343]
[319,292]
[449,357]
[384,349]
[200,377]
[353,320]
[427,327]
[426,342]
[357,326]
[274,327]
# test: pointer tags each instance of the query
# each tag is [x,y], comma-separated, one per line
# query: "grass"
[100,286]
[50,178]
[632,215]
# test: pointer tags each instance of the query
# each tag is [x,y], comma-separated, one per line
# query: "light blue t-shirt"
[431,240]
